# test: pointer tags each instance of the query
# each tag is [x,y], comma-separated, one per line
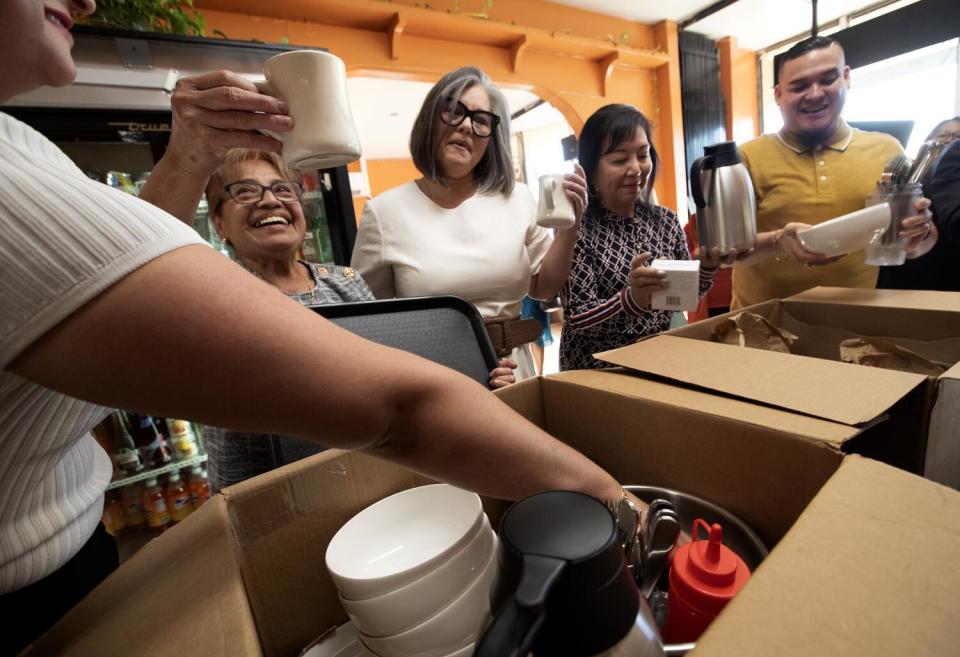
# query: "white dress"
[484,250]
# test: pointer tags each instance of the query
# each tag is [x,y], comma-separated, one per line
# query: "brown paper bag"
[888,355]
[753,331]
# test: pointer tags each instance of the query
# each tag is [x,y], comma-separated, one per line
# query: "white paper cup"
[401,538]
[413,603]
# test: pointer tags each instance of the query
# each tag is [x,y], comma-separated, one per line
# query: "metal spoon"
[895,173]
[927,156]
[662,529]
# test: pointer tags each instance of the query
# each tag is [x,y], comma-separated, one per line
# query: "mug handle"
[549,189]
[264,87]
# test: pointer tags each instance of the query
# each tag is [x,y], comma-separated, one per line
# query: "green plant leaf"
[170,16]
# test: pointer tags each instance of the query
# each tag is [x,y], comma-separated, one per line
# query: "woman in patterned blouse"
[606,299]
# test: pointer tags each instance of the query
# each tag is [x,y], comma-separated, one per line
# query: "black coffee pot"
[563,586]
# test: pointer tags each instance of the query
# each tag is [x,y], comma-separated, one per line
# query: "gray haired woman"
[466,227]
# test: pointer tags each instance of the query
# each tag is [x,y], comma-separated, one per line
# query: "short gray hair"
[494,172]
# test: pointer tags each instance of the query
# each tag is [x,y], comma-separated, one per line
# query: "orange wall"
[358,203]
[383,175]
[387,174]
[738,79]
[566,63]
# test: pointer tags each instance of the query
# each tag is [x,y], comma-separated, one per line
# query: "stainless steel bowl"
[737,535]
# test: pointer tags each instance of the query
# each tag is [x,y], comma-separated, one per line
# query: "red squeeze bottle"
[704,576]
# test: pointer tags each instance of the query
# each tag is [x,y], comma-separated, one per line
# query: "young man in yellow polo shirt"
[816,168]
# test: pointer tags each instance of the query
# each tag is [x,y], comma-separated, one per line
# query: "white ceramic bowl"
[451,629]
[463,652]
[413,603]
[847,233]
[341,642]
[401,538]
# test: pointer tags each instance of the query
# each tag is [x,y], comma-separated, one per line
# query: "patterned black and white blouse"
[599,313]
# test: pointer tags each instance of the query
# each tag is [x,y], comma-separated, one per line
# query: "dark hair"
[801,48]
[936,128]
[604,131]
[494,171]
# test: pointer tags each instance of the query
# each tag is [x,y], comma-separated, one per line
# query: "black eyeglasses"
[246,192]
[482,122]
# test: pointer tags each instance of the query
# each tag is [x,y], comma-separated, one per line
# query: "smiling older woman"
[466,227]
[254,201]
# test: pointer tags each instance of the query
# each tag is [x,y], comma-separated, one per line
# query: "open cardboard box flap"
[821,388]
[863,551]
[927,300]
[933,308]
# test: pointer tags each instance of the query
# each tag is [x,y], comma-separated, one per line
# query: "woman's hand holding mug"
[218,111]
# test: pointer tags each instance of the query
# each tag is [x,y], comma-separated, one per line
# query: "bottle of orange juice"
[112,518]
[199,486]
[178,498]
[155,505]
[131,501]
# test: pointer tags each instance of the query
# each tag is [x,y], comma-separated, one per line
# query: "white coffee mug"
[554,209]
[314,86]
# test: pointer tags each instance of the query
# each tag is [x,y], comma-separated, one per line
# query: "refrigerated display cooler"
[114,121]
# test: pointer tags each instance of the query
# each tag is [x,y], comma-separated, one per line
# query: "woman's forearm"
[192,335]
[464,435]
[764,249]
[172,189]
[555,267]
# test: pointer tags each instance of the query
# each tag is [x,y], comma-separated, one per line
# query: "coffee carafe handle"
[695,187]
[519,619]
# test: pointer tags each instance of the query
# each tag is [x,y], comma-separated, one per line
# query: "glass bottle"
[182,438]
[199,486]
[155,506]
[153,446]
[179,503]
[126,456]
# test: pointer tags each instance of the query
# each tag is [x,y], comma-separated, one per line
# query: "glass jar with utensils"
[901,187]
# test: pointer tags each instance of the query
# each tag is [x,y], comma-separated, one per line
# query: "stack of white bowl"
[414,572]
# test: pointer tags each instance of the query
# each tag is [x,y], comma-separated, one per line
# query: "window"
[919,86]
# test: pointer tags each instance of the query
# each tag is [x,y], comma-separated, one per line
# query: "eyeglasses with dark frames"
[247,192]
[482,122]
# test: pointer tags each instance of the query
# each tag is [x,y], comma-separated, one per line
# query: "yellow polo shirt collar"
[838,141]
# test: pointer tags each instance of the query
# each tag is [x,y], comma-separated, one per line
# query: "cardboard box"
[868,569]
[891,409]
[933,319]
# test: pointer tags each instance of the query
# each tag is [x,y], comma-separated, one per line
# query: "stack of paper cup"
[414,572]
